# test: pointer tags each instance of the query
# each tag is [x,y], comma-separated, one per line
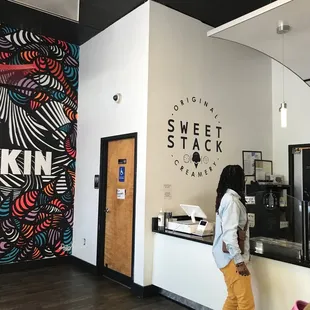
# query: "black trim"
[305,231]
[102,199]
[291,168]
[84,265]
[144,291]
[101,207]
[34,264]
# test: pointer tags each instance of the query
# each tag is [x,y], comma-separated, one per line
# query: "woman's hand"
[242,269]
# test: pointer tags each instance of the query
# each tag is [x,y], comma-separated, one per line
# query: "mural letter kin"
[38,124]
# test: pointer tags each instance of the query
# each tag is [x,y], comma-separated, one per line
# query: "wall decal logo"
[195,146]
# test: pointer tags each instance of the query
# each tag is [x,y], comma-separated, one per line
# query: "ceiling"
[67,9]
[96,15]
[258,30]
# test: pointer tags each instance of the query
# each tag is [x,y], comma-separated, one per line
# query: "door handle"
[107,210]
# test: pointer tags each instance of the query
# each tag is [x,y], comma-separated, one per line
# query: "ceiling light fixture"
[283,111]
[282,29]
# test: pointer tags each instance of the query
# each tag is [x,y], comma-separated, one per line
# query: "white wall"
[115,61]
[235,80]
[173,61]
[297,96]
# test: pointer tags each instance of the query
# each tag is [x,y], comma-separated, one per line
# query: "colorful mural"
[38,124]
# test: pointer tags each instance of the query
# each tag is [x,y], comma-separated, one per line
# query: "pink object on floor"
[300,305]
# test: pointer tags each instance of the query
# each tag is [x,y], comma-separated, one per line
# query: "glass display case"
[278,222]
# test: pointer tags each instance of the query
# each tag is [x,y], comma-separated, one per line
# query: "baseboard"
[144,291]
[188,304]
[84,265]
[34,264]
[179,303]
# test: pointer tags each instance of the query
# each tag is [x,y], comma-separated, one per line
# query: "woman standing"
[231,254]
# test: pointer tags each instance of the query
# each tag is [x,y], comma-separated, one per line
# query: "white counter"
[187,268]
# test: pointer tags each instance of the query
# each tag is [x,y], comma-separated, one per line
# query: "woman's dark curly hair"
[232,177]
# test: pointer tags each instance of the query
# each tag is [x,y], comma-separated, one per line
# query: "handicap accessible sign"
[121,174]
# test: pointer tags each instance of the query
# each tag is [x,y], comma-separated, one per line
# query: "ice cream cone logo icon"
[196,159]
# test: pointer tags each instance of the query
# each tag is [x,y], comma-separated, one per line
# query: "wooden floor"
[66,287]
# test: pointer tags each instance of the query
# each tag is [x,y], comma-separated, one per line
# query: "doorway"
[117,191]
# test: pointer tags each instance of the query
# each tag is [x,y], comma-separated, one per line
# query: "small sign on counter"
[121,194]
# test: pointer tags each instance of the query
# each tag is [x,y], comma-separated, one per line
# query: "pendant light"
[283,111]
[282,29]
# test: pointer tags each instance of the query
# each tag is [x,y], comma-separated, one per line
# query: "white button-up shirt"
[231,215]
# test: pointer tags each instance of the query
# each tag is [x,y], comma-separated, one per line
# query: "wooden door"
[118,242]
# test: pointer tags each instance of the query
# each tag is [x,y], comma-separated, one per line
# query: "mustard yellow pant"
[240,296]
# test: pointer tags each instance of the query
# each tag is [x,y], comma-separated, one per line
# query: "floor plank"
[67,288]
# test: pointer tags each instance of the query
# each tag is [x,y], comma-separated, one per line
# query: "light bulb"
[283,111]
